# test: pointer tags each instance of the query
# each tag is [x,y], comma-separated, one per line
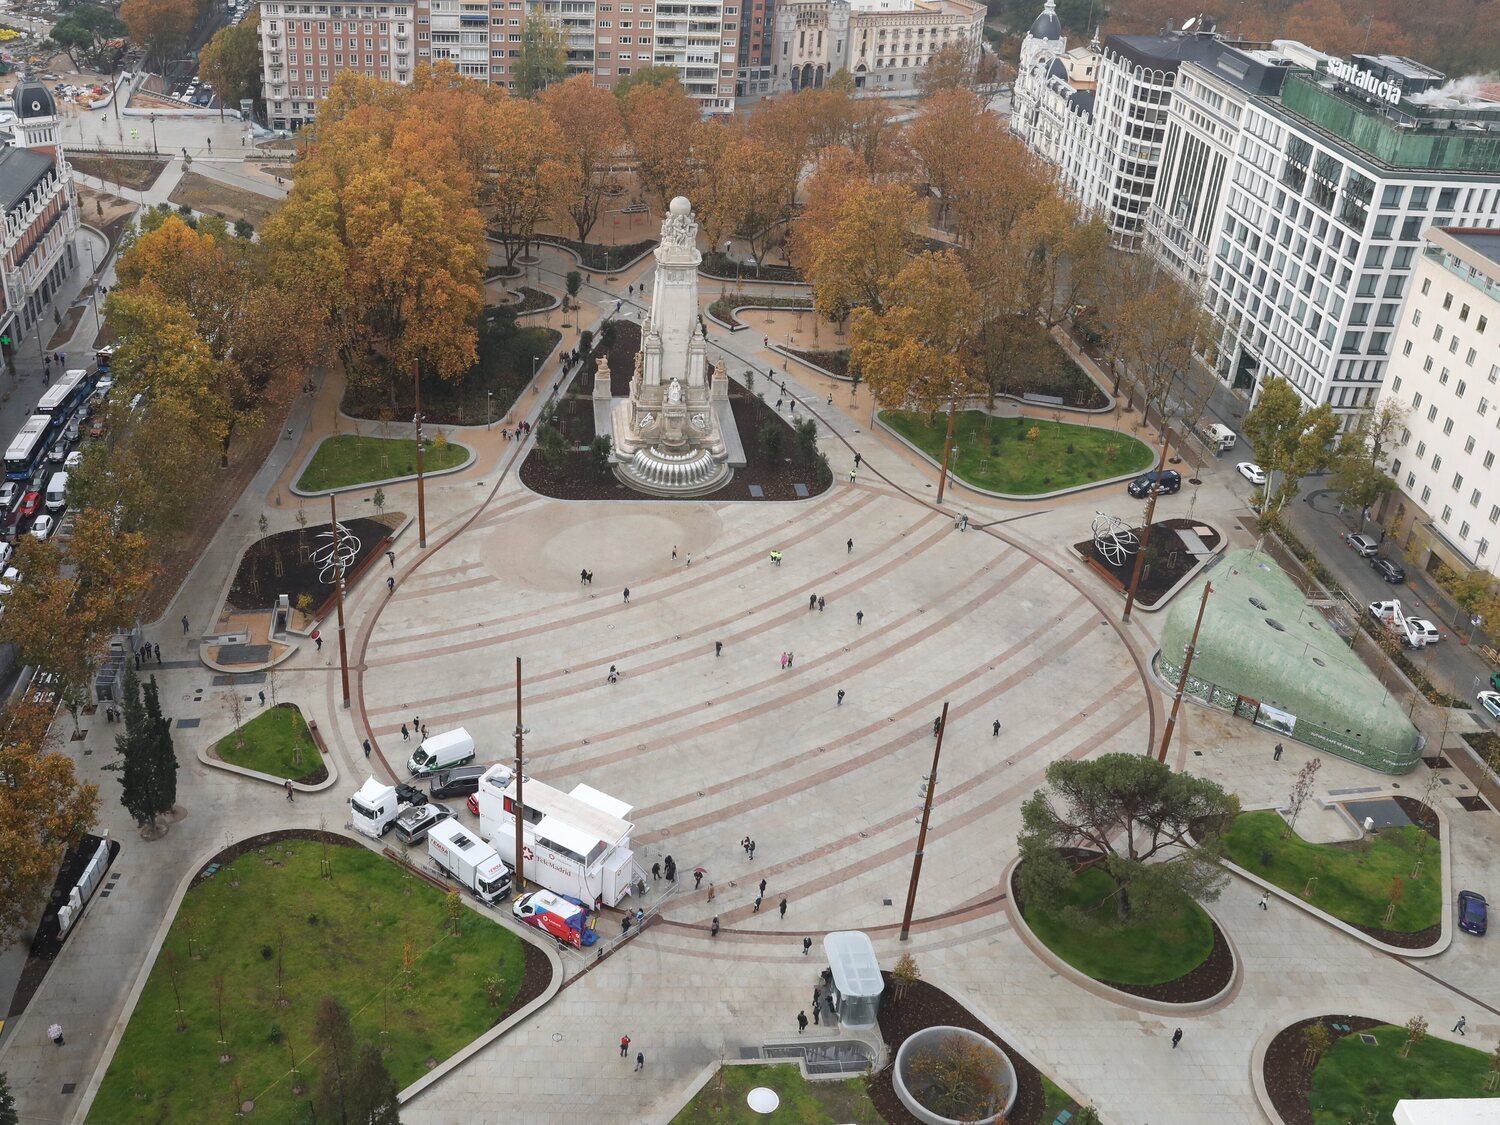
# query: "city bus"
[28,449]
[64,397]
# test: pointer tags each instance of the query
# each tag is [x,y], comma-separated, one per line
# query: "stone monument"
[669,434]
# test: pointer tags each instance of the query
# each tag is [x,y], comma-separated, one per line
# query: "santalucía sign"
[1364,80]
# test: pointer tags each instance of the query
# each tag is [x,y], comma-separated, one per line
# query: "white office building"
[1445,373]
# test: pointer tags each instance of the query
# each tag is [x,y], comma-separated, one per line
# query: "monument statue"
[669,433]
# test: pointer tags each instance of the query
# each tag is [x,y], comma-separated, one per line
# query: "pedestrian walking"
[1276,757]
[674,551]
[262,698]
[820,605]
[816,1014]
[783,908]
[55,1034]
[718,647]
[859,617]
[288,789]
[367,748]
[745,843]
[793,408]
[390,585]
[184,625]
[670,866]
[853,473]
[807,945]
[937,725]
[762,886]
[841,697]
[850,545]
[710,892]
[405,737]
[624,1045]
[640,1060]
[1460,1025]
[627,595]
[625,924]
[812,602]
[689,561]
[783,662]
[1264,899]
[801,1022]
[790,657]
[318,641]
[1176,1038]
[756,908]
[656,872]
[697,879]
[779,401]
[752,845]
[714,929]
[156,648]
[857,460]
[995,733]
[424,734]
[391,555]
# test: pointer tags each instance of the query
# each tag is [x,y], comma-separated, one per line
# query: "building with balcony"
[304,47]
[1445,374]
[883,44]
[41,217]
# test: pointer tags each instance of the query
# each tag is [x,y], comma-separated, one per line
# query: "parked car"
[460,782]
[1162,482]
[43,527]
[1490,701]
[1363,545]
[1390,571]
[1473,913]
[413,825]
[1251,472]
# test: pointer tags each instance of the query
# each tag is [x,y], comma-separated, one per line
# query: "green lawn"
[995,453]
[1134,953]
[340,937]
[1354,880]
[802,1102]
[1056,1101]
[1353,1076]
[345,460]
[276,742]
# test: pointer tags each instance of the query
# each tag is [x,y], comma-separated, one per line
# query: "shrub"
[275,1035]
[771,438]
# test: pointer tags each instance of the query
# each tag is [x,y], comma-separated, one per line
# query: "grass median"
[802,1102]
[1354,1077]
[276,742]
[1023,456]
[346,460]
[1355,880]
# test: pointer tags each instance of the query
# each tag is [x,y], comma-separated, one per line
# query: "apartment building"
[883,44]
[1445,374]
[40,208]
[306,46]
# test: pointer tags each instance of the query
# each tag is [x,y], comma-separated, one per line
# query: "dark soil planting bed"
[1170,562]
[257,585]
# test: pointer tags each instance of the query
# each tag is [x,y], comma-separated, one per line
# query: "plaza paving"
[1000,622]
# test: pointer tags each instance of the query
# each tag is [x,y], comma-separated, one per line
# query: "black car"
[410,795]
[1390,571]
[458,782]
[1163,482]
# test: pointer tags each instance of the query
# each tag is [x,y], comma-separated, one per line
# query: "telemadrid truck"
[461,855]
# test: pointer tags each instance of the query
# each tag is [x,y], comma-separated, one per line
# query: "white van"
[440,752]
[1220,437]
[57,492]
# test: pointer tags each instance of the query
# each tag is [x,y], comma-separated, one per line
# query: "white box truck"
[440,752]
[577,844]
[377,805]
[461,855]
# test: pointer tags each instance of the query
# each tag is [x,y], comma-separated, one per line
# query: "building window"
[1447,513]
[1469,445]
[1463,531]
[1495,513]
[1474,498]
[1458,482]
[1426,285]
[1460,389]
[1426,494]
[1437,462]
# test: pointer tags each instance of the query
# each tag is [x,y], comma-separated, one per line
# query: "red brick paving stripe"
[715,629]
[937,830]
[656,589]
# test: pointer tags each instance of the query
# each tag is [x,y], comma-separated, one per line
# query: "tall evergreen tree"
[149,767]
[8,1103]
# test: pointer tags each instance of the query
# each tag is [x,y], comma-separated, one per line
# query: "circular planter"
[932,1038]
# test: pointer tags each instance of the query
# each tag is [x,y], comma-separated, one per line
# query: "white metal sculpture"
[322,554]
[1113,540]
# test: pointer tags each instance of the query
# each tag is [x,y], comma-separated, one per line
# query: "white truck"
[440,752]
[1219,437]
[461,855]
[1413,632]
[377,806]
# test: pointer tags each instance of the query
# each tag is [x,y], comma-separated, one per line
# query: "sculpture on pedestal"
[667,435]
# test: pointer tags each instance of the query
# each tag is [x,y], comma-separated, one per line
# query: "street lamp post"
[153,134]
[1140,554]
[916,862]
[520,810]
[489,407]
[1187,664]
[338,577]
[421,494]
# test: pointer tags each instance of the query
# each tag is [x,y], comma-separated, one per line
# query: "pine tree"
[7,1103]
[149,768]
[376,1089]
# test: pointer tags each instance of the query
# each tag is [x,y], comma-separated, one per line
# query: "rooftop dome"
[1057,70]
[33,100]
[1047,25]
